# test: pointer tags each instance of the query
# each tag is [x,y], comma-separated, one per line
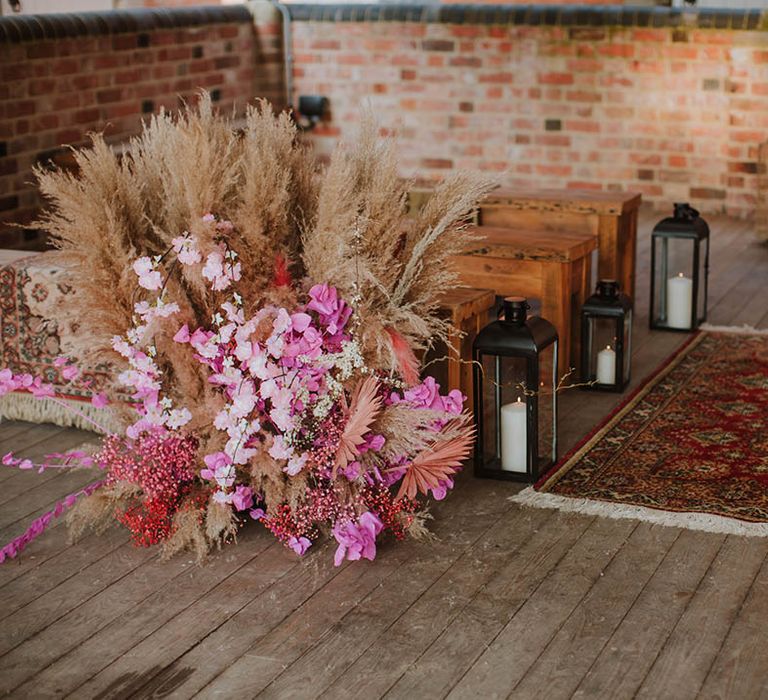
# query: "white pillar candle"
[514,453]
[679,301]
[606,366]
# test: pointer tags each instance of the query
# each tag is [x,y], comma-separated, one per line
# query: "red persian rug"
[692,442]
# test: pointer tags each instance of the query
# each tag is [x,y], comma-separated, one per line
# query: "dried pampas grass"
[188,535]
[97,512]
[393,268]
[181,166]
[291,227]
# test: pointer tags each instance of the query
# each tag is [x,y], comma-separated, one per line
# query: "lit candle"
[514,453]
[679,301]
[606,366]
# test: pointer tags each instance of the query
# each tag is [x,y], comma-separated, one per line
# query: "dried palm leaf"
[363,407]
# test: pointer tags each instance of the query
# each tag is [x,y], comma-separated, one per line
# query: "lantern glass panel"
[547,406]
[503,382]
[675,271]
[627,346]
[701,289]
[601,334]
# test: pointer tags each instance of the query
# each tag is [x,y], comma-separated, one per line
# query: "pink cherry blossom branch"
[83,458]
[82,415]
[39,525]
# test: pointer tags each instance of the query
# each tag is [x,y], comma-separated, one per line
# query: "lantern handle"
[683,210]
[515,310]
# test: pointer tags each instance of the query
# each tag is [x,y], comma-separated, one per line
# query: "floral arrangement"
[274,318]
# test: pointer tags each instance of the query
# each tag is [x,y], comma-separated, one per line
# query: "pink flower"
[425,395]
[149,278]
[182,335]
[357,540]
[213,267]
[324,299]
[257,513]
[70,372]
[441,491]
[214,462]
[242,499]
[40,390]
[352,471]
[186,250]
[100,400]
[299,545]
[372,442]
[300,322]
[334,312]
[218,272]
[60,361]
[454,402]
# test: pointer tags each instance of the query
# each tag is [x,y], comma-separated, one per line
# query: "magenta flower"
[425,395]
[214,462]
[100,400]
[182,335]
[242,499]
[357,540]
[454,401]
[299,545]
[324,299]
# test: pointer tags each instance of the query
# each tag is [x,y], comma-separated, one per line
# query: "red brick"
[86,116]
[110,95]
[437,45]
[20,108]
[437,163]
[556,78]
[65,66]
[707,193]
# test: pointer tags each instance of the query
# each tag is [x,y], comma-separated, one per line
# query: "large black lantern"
[679,267]
[606,338]
[515,380]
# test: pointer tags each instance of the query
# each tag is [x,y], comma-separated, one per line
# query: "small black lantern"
[515,381]
[606,338]
[679,270]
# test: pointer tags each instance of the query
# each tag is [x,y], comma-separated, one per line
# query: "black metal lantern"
[515,380]
[606,338]
[679,269]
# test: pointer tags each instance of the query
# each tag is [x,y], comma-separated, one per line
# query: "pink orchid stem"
[78,412]
[38,525]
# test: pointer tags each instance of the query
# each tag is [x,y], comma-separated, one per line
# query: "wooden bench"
[610,216]
[468,311]
[555,267]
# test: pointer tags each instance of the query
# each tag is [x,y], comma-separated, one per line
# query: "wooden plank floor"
[508,602]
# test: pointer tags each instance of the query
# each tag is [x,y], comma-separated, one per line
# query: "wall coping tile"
[20,28]
[544,15]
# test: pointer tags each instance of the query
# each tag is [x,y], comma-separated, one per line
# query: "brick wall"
[110,72]
[676,112]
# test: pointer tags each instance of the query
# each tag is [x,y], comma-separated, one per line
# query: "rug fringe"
[740,330]
[18,406]
[690,521]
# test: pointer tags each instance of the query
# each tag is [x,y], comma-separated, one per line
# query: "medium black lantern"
[515,380]
[606,338]
[679,268]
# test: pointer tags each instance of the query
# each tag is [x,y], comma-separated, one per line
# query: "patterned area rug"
[33,288]
[688,449]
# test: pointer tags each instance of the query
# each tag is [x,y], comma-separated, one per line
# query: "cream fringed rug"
[688,449]
[33,286]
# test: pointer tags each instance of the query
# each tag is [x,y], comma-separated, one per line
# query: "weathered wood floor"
[508,602]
